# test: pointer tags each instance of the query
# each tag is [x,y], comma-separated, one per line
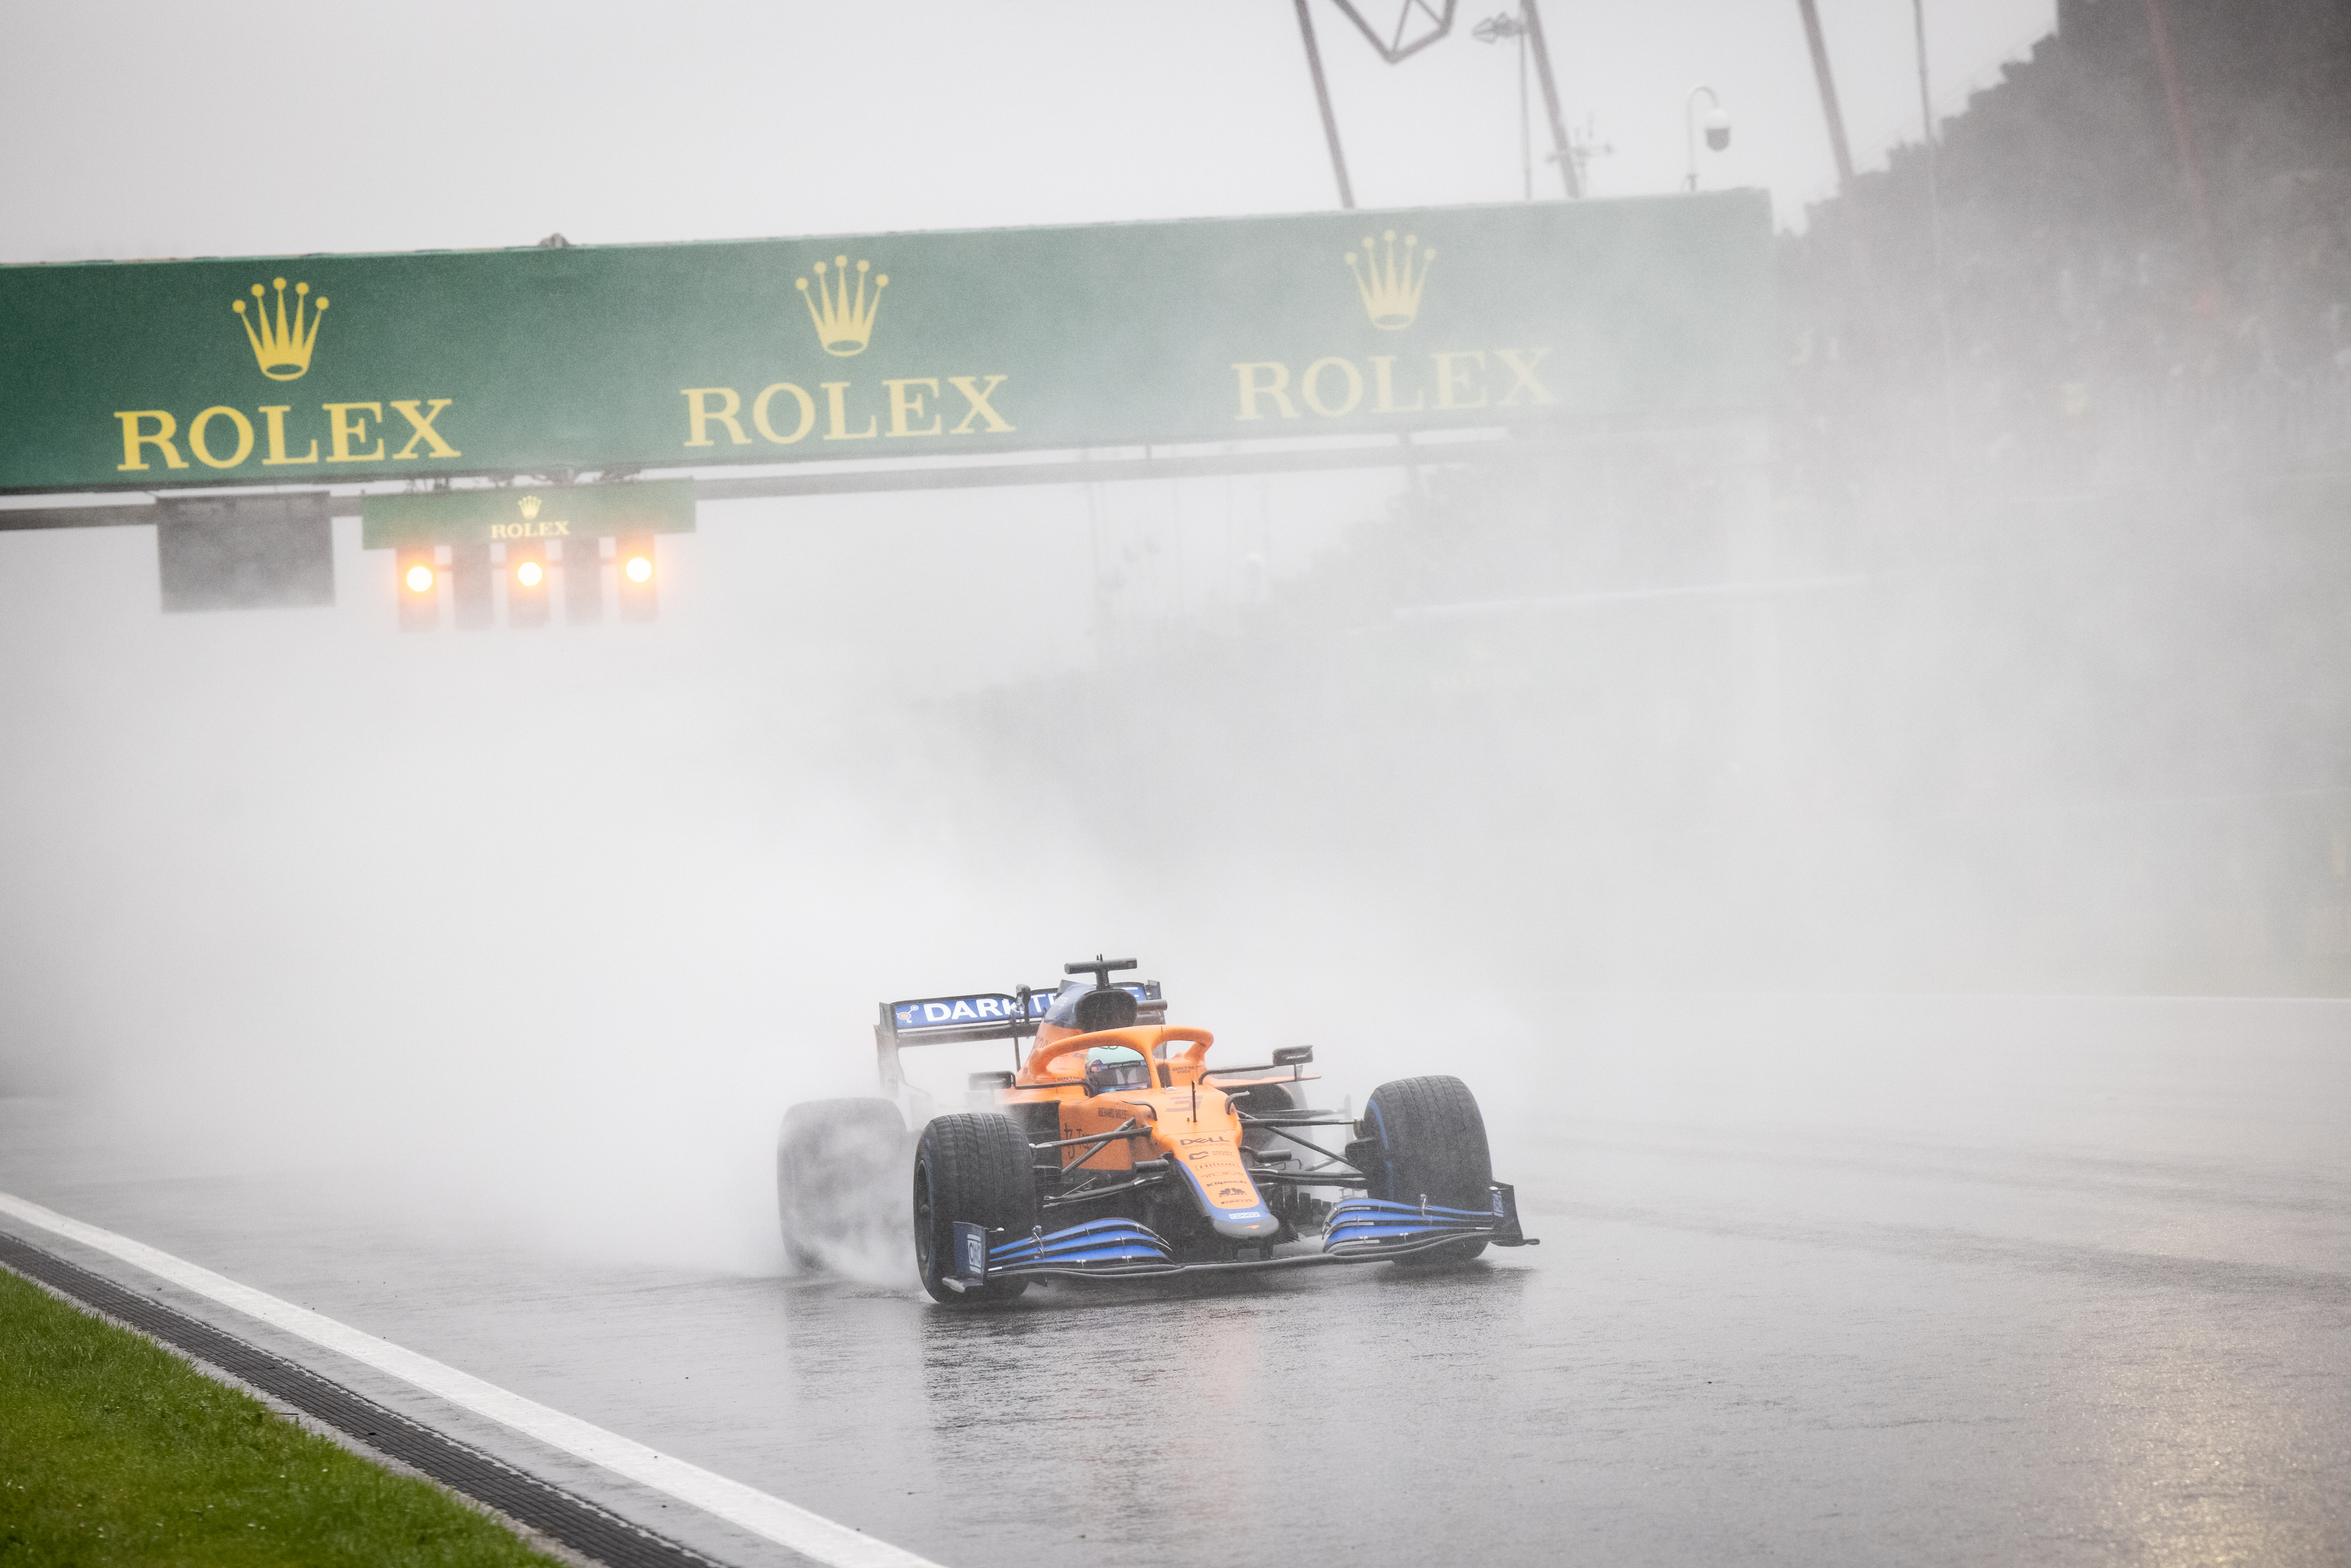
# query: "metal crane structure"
[1419,24]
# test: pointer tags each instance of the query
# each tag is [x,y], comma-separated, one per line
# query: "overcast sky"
[153,129]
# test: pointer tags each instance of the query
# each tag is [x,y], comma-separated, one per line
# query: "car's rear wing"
[980,1016]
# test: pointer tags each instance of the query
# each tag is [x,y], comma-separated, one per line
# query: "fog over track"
[1844,1279]
[1883,860]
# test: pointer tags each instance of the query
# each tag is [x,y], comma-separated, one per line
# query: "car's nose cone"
[1243,1224]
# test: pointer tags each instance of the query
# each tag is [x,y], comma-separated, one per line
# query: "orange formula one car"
[1115,1151]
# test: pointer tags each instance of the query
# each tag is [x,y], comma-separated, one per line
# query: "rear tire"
[973,1168]
[1425,1139]
[837,1164]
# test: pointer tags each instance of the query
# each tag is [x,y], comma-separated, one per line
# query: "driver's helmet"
[1115,1067]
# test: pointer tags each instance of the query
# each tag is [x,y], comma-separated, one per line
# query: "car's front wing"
[1357,1231]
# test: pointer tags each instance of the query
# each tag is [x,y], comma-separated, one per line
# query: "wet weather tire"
[1424,1137]
[837,1175]
[972,1168]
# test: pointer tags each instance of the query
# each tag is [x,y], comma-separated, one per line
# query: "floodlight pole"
[1935,220]
[1689,129]
[1864,271]
[1559,155]
[2191,172]
[1323,98]
[1827,80]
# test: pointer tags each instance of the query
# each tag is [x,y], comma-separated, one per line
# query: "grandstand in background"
[2009,652]
[2144,272]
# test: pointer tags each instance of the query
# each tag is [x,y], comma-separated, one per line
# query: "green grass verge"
[113,1451]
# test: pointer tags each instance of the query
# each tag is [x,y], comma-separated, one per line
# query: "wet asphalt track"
[2088,1301]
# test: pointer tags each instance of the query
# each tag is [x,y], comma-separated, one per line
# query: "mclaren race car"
[1114,1150]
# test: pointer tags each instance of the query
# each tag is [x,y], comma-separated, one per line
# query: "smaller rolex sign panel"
[518,513]
[341,369]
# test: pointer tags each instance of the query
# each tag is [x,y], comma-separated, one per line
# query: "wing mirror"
[1293,1056]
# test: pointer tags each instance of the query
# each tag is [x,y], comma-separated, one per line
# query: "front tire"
[973,1168]
[1424,1138]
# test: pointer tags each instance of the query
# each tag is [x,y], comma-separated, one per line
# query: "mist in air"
[2002,652]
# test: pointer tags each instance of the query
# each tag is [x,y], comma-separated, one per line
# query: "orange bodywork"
[1179,1117]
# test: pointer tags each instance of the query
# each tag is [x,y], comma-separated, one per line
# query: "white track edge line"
[771,1518]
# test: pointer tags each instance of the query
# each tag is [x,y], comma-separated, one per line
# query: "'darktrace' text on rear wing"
[982,1015]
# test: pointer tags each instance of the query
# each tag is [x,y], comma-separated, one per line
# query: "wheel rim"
[923,1239]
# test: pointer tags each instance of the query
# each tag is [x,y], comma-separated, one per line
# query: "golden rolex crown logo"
[529,505]
[282,352]
[843,324]
[1391,285]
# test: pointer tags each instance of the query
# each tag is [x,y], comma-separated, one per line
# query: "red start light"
[420,579]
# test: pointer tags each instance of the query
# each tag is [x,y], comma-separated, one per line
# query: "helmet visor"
[1115,1067]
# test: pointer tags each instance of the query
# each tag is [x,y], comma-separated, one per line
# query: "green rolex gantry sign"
[337,369]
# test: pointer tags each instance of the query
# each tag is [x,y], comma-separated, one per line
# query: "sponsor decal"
[1389,282]
[283,344]
[970,1251]
[842,325]
[842,309]
[1392,293]
[283,355]
[983,1007]
[986,1009]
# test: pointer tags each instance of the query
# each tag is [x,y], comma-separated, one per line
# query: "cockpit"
[1110,1068]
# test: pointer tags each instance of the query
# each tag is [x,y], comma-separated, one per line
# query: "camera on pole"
[1715,127]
